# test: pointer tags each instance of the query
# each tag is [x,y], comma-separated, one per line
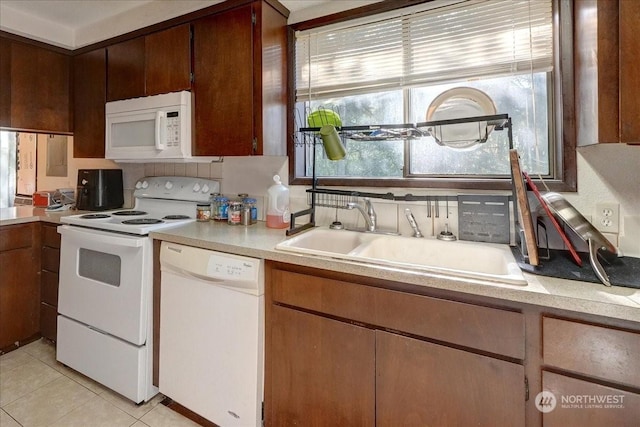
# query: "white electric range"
[105,327]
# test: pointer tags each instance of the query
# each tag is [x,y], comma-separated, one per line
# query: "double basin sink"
[484,261]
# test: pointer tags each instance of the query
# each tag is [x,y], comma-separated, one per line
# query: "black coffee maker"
[99,189]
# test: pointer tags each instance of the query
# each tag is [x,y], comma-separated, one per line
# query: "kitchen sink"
[485,261]
[327,242]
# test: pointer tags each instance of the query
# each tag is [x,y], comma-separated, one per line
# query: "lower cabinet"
[419,383]
[49,281]
[346,354]
[592,372]
[19,286]
[323,371]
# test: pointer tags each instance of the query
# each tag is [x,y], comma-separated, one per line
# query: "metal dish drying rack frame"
[334,198]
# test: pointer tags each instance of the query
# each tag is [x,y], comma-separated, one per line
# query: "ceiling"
[76,23]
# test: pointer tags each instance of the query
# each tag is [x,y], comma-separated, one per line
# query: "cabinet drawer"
[15,237]
[50,236]
[582,403]
[50,259]
[49,288]
[597,351]
[483,328]
[333,297]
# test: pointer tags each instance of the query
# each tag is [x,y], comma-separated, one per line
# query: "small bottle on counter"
[212,202]
[203,212]
[250,203]
[220,208]
[235,213]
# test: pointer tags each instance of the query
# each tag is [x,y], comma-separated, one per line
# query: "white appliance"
[212,333]
[150,128]
[105,328]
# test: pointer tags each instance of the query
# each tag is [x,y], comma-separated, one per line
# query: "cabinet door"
[321,370]
[19,283]
[424,384]
[125,69]
[39,89]
[629,71]
[168,60]
[90,86]
[582,403]
[5,82]
[223,84]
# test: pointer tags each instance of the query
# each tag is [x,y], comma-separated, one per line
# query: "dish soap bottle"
[278,214]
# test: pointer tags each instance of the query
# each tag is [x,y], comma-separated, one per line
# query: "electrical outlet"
[607,217]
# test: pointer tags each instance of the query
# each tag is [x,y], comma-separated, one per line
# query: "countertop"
[23,214]
[258,241]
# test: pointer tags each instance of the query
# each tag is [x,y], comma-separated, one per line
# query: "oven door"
[105,281]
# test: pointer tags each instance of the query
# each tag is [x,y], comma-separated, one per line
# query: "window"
[388,68]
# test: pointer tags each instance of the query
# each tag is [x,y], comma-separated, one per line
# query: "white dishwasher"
[212,333]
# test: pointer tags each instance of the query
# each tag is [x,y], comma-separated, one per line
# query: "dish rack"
[337,198]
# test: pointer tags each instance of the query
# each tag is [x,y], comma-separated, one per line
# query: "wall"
[45,183]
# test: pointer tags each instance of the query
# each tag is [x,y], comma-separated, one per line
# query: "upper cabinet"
[607,71]
[239,83]
[89,92]
[629,71]
[150,65]
[35,84]
[168,60]
[5,82]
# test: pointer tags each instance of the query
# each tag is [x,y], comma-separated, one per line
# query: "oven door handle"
[107,238]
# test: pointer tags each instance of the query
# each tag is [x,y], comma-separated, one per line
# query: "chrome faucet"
[367,212]
[413,223]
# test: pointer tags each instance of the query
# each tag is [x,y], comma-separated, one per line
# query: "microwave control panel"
[173,129]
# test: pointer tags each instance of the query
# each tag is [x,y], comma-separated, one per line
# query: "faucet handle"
[413,223]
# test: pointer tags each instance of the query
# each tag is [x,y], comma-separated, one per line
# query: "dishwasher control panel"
[231,271]
[225,267]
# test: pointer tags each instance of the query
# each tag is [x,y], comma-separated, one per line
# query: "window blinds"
[469,39]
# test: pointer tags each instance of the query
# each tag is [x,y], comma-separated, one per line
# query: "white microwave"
[152,128]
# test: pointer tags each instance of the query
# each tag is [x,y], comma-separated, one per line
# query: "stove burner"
[95,216]
[142,221]
[177,217]
[129,213]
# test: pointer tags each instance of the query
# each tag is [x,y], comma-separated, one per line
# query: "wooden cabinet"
[431,361]
[420,383]
[607,71]
[595,379]
[35,88]
[89,96]
[323,371]
[240,82]
[5,82]
[125,69]
[168,60]
[19,287]
[150,65]
[629,71]
[49,281]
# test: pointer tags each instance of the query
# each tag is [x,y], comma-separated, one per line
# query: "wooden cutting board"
[524,212]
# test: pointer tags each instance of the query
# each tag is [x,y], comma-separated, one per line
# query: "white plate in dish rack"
[458,103]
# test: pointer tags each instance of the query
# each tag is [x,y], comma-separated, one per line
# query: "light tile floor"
[36,390]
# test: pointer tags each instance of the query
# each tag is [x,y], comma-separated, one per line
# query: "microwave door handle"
[160,134]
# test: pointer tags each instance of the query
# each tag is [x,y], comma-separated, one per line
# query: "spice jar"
[203,212]
[220,208]
[235,213]
[250,203]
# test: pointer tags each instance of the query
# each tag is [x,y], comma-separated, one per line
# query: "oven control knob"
[205,188]
[145,184]
[168,185]
[138,185]
[196,188]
